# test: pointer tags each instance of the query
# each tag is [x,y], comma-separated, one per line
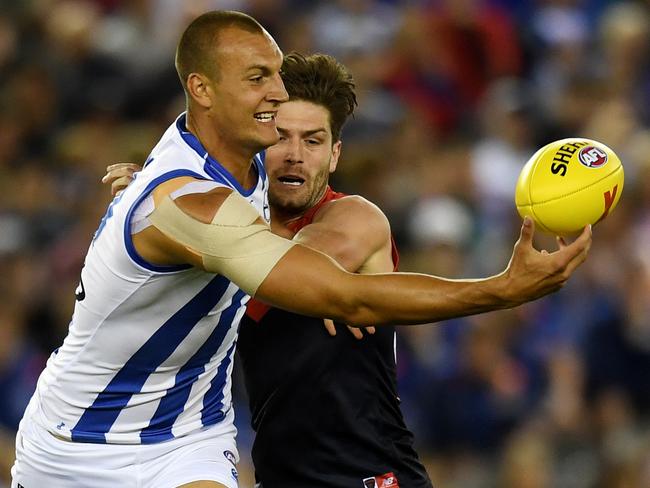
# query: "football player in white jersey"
[139,392]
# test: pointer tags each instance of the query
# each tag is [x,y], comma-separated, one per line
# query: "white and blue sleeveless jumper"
[148,356]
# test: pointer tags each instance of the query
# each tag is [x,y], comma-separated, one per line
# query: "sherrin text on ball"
[568,184]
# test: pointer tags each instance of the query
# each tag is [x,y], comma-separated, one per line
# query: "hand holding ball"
[568,184]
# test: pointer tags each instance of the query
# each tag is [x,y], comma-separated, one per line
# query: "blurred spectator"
[625,42]
[346,27]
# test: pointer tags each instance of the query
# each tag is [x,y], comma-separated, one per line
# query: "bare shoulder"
[354,232]
[356,212]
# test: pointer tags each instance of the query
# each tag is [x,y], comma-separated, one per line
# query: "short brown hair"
[322,80]
[195,51]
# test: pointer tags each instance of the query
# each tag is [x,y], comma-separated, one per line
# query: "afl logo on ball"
[592,157]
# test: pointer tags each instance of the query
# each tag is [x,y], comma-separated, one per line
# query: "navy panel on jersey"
[99,417]
[173,403]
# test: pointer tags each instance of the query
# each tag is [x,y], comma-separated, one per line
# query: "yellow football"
[568,184]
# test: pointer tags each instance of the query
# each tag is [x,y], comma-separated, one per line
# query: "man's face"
[248,89]
[300,163]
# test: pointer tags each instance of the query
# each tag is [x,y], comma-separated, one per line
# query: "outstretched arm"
[308,282]
[412,298]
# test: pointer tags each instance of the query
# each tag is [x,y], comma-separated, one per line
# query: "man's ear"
[198,87]
[336,152]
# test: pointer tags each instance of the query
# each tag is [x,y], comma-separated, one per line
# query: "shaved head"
[197,48]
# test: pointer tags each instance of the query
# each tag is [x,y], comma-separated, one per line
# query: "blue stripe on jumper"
[98,419]
[213,399]
[173,403]
[212,166]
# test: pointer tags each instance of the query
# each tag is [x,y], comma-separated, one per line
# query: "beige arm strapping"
[235,244]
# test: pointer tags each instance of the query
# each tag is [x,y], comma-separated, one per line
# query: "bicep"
[152,244]
[225,234]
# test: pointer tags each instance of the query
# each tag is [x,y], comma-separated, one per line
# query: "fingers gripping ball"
[568,184]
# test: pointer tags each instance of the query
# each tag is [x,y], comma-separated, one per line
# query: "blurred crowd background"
[455,96]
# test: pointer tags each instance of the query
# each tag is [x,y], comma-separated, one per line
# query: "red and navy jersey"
[325,409]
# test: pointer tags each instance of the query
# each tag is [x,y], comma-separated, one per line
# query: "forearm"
[322,289]
[406,298]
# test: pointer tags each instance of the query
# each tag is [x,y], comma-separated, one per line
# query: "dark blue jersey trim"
[128,241]
[213,167]
[173,403]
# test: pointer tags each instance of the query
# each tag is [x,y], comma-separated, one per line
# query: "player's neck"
[237,160]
